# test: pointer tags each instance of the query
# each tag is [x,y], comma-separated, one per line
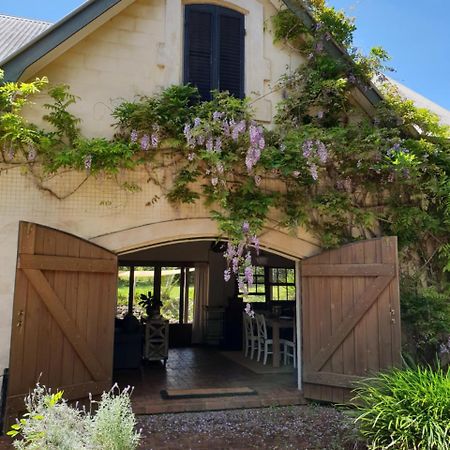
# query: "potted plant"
[151,304]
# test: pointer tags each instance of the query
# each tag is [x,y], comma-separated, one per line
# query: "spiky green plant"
[405,409]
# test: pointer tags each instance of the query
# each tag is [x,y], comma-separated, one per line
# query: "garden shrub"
[405,409]
[52,424]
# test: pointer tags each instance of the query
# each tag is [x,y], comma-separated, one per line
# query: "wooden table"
[276,324]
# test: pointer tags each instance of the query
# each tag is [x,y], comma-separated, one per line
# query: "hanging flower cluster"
[257,144]
[145,141]
[249,311]
[239,259]
[314,152]
[211,137]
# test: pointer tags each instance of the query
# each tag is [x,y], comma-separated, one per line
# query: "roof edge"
[368,90]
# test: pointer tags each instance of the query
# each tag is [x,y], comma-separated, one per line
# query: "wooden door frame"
[298,319]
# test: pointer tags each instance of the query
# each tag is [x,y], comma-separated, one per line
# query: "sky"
[416,33]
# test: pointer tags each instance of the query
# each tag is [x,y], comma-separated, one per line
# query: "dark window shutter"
[231,54]
[198,64]
[214,49]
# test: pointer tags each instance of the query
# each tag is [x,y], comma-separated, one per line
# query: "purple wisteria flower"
[255,242]
[252,157]
[249,311]
[201,139]
[226,128]
[197,122]
[218,145]
[217,115]
[313,151]
[209,144]
[237,129]
[307,148]
[320,115]
[88,162]
[134,136]
[322,152]
[248,275]
[235,264]
[245,227]
[313,171]
[145,142]
[227,275]
[31,153]
[154,140]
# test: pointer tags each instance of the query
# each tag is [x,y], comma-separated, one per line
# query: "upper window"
[272,284]
[214,50]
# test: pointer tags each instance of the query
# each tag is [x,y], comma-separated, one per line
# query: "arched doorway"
[205,324]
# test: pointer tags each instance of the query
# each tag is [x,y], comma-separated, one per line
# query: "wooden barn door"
[350,316]
[63,315]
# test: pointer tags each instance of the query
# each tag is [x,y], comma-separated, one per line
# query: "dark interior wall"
[198,251]
[183,252]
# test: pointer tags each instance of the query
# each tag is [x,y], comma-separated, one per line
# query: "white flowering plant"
[50,423]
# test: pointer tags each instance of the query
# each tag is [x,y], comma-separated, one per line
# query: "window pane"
[170,293]
[144,279]
[189,304]
[123,286]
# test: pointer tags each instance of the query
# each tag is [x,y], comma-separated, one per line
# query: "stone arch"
[189,229]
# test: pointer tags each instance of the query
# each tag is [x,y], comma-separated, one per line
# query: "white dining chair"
[290,348]
[250,338]
[264,343]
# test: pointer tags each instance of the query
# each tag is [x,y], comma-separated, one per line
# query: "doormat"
[171,394]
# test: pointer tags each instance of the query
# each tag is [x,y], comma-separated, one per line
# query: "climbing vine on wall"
[341,175]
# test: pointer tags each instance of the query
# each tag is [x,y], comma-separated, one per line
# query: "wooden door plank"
[337,360]
[359,287]
[332,379]
[69,356]
[348,305]
[363,303]
[57,336]
[82,300]
[35,312]
[53,304]
[67,263]
[371,317]
[348,270]
[325,322]
[390,255]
